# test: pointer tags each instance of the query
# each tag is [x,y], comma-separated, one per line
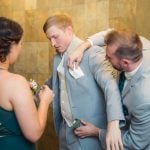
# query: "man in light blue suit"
[125,51]
[88,92]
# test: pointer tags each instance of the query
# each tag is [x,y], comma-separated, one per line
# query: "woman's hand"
[46,94]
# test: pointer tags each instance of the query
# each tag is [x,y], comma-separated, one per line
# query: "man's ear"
[125,62]
[69,29]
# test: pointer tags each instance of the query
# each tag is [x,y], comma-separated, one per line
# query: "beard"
[118,67]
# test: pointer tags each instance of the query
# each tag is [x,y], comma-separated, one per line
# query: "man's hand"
[87,129]
[113,136]
[76,56]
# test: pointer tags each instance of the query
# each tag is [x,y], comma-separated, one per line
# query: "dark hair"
[128,44]
[10,31]
[62,20]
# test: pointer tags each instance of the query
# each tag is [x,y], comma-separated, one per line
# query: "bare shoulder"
[17,80]
[14,87]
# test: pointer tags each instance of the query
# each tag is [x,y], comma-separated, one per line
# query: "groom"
[89,92]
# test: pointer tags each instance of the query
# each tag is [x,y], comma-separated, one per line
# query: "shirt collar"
[129,75]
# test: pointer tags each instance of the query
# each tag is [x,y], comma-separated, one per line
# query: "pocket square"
[76,72]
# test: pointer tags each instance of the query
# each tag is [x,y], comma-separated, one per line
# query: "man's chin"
[60,51]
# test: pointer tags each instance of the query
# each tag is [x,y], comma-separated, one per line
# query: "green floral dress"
[11,136]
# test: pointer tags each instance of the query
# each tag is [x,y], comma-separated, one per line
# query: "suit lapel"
[132,82]
[57,61]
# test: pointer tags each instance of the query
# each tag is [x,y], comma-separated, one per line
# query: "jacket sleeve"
[145,42]
[105,76]
[98,38]
[137,137]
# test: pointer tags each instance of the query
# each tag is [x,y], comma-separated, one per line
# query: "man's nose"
[53,42]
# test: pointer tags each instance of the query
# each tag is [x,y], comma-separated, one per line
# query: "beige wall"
[143,17]
[89,16]
[134,14]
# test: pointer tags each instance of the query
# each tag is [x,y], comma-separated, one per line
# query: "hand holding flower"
[46,94]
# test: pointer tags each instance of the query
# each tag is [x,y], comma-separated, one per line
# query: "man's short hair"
[61,20]
[129,45]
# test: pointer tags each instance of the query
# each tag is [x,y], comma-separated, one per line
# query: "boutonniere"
[33,86]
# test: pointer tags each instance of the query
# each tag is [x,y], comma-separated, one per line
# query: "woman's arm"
[31,120]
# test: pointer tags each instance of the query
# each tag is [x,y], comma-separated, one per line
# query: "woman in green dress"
[21,123]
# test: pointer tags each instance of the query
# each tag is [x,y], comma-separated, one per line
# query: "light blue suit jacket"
[94,97]
[136,97]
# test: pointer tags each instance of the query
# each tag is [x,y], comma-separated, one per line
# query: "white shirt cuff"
[91,42]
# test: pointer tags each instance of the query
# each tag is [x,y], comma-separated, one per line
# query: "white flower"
[33,86]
